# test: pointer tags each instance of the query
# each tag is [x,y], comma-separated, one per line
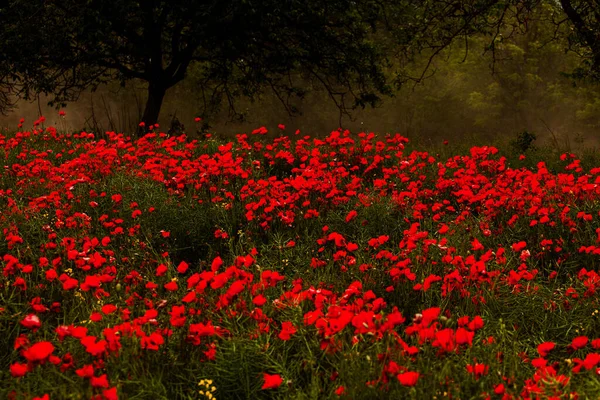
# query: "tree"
[241,46]
[357,50]
[584,17]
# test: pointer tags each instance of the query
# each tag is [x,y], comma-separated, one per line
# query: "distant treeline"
[526,66]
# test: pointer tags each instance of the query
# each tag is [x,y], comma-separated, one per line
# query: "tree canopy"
[62,47]
[357,50]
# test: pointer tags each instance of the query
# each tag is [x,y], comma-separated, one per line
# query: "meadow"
[280,265]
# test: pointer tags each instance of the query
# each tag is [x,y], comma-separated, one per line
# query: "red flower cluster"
[347,247]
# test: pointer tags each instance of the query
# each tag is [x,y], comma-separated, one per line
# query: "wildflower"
[478,370]
[476,324]
[271,381]
[153,341]
[183,267]
[408,378]
[216,264]
[579,342]
[87,371]
[110,394]
[259,300]
[591,360]
[96,317]
[18,370]
[517,247]
[39,351]
[544,348]
[351,215]
[476,245]
[31,321]
[499,389]
[287,330]
[109,308]
[161,270]
[100,381]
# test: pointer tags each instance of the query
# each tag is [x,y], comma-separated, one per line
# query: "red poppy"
[91,282]
[429,315]
[259,300]
[109,308]
[39,351]
[216,264]
[445,340]
[287,330]
[18,370]
[476,245]
[476,324]
[183,267]
[579,342]
[110,394]
[31,321]
[51,275]
[96,317]
[271,381]
[464,336]
[408,378]
[544,348]
[87,371]
[591,360]
[351,215]
[539,362]
[161,270]
[499,389]
[478,370]
[352,246]
[93,347]
[100,381]
[517,247]
[188,298]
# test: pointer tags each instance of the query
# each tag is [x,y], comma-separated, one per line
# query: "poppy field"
[280,265]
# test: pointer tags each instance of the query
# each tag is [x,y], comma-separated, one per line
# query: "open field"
[350,266]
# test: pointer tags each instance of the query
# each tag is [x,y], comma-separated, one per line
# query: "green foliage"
[523,142]
[356,51]
[174,370]
[238,47]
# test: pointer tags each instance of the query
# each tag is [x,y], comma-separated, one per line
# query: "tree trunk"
[156,94]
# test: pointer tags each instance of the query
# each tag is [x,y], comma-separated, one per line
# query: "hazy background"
[465,99]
